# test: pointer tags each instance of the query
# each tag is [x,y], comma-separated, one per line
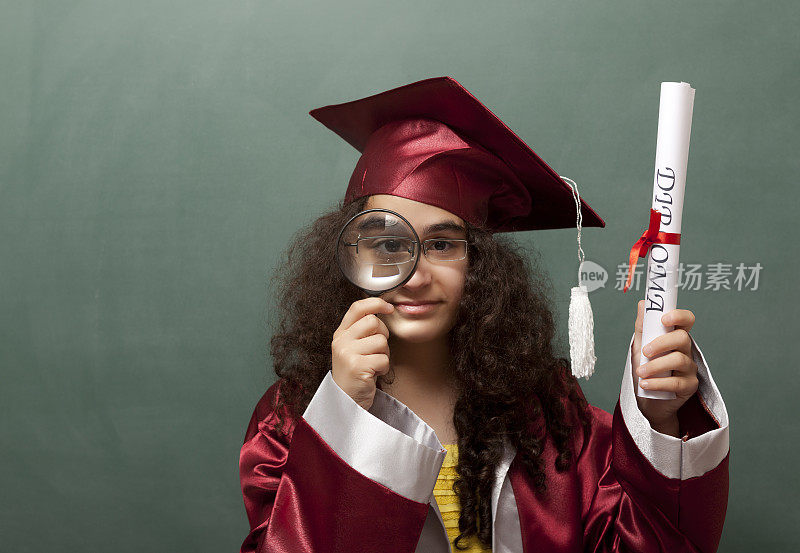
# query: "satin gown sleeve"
[632,489]
[352,480]
[656,492]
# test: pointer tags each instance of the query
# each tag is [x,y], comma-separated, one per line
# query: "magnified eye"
[388,249]
[377,250]
[390,245]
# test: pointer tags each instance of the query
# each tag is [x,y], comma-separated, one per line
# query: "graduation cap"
[434,142]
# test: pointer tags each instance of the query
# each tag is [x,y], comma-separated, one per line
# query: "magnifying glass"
[377,251]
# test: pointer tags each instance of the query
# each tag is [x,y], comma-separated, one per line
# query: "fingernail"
[644,383]
[647,350]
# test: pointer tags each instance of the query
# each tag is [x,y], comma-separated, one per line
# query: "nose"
[422,275]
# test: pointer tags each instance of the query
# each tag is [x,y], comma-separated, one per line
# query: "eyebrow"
[378,223]
[372,223]
[444,226]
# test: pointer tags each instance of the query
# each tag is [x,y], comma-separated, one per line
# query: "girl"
[345,451]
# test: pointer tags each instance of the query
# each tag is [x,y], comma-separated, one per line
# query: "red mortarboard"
[434,142]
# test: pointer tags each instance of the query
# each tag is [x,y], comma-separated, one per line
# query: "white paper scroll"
[672,154]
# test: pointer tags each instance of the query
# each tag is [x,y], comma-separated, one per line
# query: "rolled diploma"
[669,181]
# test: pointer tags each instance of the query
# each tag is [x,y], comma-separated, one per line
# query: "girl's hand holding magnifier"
[377,251]
[360,349]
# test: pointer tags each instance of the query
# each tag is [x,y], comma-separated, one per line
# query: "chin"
[416,332]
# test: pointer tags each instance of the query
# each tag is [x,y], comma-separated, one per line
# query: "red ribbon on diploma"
[649,237]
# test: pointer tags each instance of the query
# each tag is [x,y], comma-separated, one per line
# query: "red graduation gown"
[302,497]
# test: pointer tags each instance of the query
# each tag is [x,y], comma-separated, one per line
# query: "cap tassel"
[581,319]
[581,333]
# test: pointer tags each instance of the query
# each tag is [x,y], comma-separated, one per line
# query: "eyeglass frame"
[416,242]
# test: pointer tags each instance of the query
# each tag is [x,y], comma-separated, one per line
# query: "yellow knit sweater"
[448,502]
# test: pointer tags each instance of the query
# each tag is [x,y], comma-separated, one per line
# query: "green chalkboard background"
[155,157]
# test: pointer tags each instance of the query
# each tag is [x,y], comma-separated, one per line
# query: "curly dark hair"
[501,345]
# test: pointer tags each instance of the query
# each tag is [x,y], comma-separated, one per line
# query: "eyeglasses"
[396,250]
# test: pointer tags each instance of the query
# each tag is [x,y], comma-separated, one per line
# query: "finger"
[367,326]
[377,343]
[674,340]
[680,318]
[682,386]
[384,329]
[360,308]
[378,363]
[676,362]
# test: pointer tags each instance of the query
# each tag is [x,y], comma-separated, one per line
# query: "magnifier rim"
[416,257]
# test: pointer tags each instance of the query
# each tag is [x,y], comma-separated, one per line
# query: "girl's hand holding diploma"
[360,349]
[669,352]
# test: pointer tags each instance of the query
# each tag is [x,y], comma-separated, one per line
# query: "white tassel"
[581,333]
[581,319]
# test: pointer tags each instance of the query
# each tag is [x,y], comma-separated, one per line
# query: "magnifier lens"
[377,250]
